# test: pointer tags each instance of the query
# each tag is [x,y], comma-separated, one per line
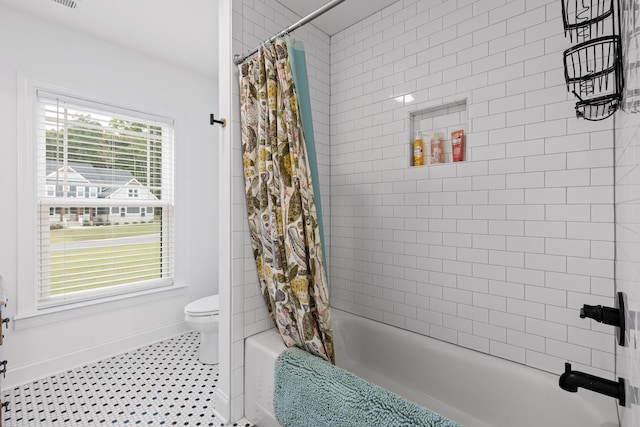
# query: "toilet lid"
[203,307]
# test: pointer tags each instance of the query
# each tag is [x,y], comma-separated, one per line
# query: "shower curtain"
[283,221]
[295,49]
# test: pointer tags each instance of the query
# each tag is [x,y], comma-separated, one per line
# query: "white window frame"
[51,190]
[78,188]
[27,309]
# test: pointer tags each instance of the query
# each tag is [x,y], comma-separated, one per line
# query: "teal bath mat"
[310,392]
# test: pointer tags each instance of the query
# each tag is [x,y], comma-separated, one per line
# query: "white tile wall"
[627,179]
[497,253]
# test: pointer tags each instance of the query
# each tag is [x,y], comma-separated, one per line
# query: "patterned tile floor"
[161,384]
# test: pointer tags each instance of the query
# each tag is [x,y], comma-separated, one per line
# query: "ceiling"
[183,32]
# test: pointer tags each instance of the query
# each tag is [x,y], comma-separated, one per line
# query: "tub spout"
[572,380]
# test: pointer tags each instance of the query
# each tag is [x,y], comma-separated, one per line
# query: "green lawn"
[99,267]
[67,235]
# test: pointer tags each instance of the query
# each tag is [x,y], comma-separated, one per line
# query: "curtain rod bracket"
[213,121]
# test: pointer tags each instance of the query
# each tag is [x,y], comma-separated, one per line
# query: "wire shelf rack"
[593,67]
[587,19]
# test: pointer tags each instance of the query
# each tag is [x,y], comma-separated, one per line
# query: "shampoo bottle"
[457,142]
[436,148]
[418,150]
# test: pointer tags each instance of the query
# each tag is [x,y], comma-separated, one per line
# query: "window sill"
[73,311]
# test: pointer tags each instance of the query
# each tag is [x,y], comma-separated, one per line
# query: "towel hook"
[213,121]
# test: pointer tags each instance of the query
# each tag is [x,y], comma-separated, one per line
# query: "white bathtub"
[471,388]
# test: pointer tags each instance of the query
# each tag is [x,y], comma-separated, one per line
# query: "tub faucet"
[572,380]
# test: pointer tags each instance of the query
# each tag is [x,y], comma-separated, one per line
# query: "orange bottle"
[418,150]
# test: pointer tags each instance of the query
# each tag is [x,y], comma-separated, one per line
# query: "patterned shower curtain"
[280,203]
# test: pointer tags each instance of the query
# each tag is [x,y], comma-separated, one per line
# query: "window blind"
[105,200]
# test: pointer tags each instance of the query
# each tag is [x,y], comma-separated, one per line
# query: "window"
[95,152]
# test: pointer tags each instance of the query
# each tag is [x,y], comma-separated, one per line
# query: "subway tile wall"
[627,182]
[496,253]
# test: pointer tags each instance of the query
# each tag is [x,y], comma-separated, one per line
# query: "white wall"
[111,74]
[627,180]
[497,253]
[253,22]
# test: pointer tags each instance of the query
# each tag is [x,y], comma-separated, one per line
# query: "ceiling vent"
[69,3]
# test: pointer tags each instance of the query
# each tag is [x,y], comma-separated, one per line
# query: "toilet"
[202,315]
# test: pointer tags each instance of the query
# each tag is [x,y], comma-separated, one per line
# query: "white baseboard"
[22,374]
[222,410]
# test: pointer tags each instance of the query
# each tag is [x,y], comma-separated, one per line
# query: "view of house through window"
[105,195]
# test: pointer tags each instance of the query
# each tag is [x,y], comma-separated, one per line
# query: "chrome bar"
[239,59]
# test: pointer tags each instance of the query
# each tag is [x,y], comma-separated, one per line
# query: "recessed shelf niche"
[443,119]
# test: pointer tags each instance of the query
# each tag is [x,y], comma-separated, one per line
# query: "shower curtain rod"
[239,59]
